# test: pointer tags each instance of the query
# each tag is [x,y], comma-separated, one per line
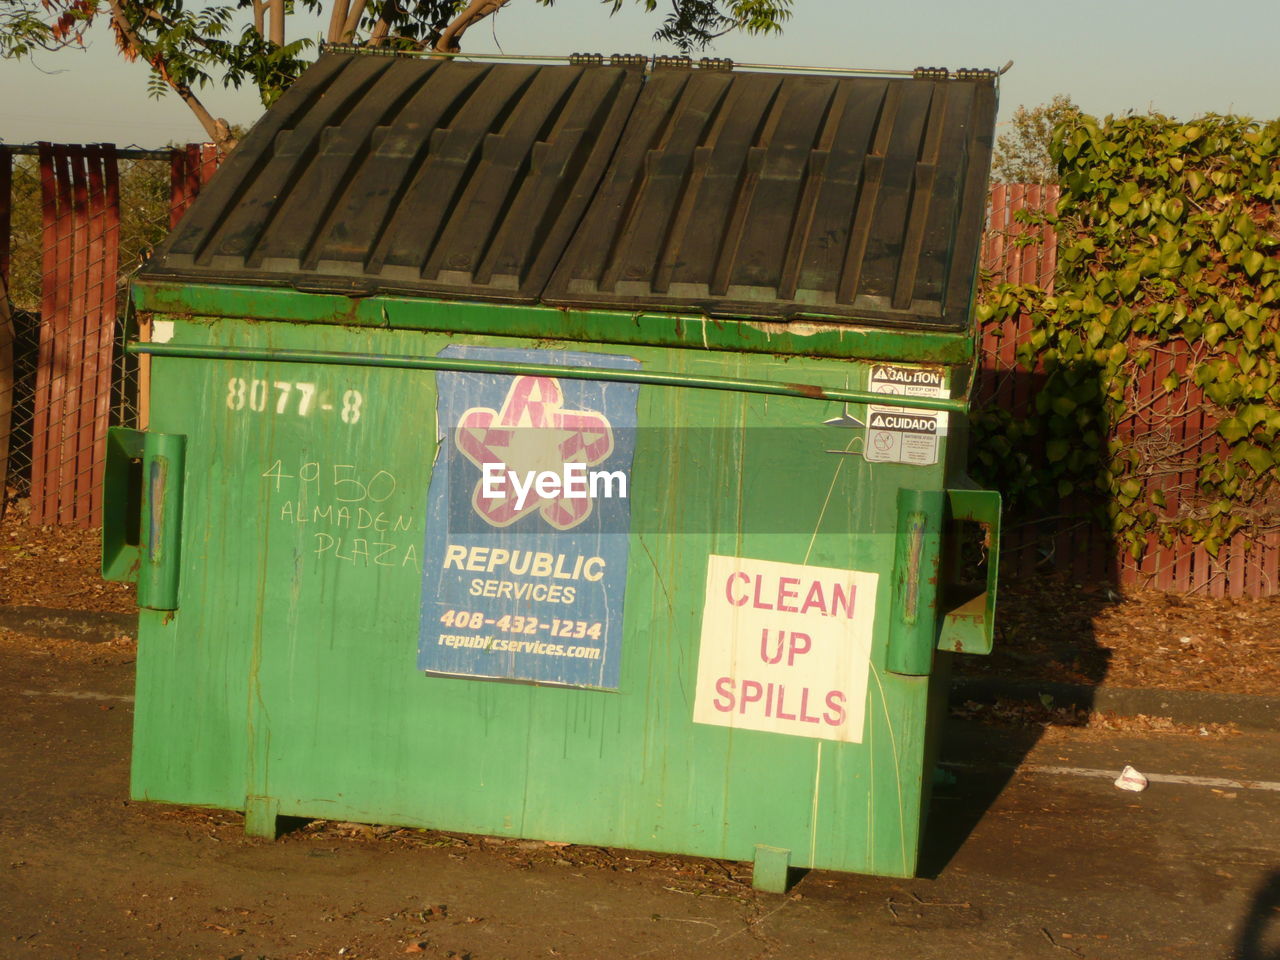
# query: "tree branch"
[474,12]
[337,17]
[382,28]
[277,21]
[260,17]
[353,20]
[218,130]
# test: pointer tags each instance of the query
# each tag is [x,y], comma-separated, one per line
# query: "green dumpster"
[567,451]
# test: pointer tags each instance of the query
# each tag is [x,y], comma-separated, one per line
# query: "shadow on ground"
[1260,936]
[1057,573]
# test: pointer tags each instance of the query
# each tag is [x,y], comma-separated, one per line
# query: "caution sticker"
[907,381]
[905,434]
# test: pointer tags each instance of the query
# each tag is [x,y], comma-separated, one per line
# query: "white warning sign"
[907,381]
[905,434]
[902,435]
[786,648]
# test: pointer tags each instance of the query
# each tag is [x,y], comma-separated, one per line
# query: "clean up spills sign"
[904,434]
[785,648]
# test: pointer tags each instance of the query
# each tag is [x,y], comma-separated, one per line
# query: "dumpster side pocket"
[122,495]
[970,626]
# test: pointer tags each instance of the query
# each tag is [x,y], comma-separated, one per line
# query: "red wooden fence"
[190,167]
[1016,252]
[6,193]
[81,209]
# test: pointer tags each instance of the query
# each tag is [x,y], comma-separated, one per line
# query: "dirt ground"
[1057,631]
[1047,630]
[58,567]
[1033,854]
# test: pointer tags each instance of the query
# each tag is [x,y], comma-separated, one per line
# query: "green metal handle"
[913,627]
[142,525]
[970,627]
[512,368]
[164,459]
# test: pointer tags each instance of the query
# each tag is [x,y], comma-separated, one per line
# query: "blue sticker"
[528,521]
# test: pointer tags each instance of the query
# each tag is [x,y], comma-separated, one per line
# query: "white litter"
[1131,779]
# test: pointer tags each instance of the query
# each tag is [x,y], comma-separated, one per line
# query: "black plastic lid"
[766,195]
[417,176]
[778,196]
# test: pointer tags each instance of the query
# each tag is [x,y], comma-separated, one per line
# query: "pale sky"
[1111,56]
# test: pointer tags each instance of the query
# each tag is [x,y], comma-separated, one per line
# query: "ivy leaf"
[1127,281]
[1233,429]
[1170,383]
[1215,332]
[1259,458]
[1252,414]
[1253,261]
[1224,394]
[1057,449]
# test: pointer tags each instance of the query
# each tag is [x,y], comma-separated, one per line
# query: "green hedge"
[1167,232]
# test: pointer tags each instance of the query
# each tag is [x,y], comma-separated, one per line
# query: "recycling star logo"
[532,433]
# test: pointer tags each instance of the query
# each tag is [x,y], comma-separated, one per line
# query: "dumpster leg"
[262,817]
[769,872]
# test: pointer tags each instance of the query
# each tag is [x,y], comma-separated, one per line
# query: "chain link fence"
[25,254]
